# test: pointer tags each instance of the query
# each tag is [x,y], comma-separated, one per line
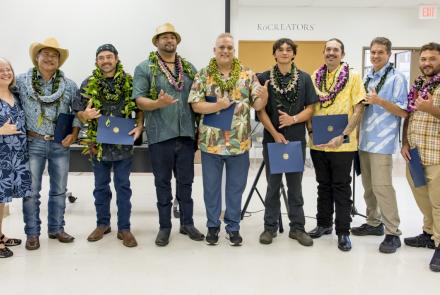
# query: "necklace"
[382,79]
[282,90]
[98,91]
[422,87]
[181,65]
[327,97]
[231,81]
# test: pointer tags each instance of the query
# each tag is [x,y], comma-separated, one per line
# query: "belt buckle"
[47,137]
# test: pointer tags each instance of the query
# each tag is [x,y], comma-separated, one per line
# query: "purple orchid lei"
[418,89]
[326,97]
[176,82]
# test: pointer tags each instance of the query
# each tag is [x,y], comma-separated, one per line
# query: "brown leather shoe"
[32,243]
[127,238]
[62,236]
[98,233]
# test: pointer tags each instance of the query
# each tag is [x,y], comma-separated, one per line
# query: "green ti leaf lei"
[97,91]
[37,87]
[155,68]
[215,73]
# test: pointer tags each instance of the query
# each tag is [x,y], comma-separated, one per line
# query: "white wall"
[83,25]
[354,26]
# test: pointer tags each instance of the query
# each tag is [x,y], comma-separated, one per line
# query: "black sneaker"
[434,265]
[390,244]
[212,235]
[368,230]
[234,238]
[422,241]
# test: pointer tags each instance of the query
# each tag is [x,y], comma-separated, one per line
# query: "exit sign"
[427,12]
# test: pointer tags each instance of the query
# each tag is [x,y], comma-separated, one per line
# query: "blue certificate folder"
[63,127]
[416,168]
[326,128]
[285,158]
[114,130]
[222,119]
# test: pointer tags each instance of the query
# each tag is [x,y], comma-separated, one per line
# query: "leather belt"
[40,136]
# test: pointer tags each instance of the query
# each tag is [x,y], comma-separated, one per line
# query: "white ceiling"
[338,3]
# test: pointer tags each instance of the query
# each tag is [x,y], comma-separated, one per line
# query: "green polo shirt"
[169,122]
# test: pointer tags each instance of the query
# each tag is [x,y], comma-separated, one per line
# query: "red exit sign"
[427,12]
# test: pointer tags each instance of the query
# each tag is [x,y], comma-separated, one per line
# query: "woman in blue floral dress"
[15,178]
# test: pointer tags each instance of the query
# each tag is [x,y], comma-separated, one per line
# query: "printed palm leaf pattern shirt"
[237,140]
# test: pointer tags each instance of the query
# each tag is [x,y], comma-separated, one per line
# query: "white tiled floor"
[188,267]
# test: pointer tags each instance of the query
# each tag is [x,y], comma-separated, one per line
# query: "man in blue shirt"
[386,103]
[46,93]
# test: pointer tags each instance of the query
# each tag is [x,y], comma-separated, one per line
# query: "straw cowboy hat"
[48,43]
[165,28]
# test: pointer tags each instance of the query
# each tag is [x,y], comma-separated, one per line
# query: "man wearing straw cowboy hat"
[46,93]
[161,85]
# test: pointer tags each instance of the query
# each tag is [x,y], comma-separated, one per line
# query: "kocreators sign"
[285,27]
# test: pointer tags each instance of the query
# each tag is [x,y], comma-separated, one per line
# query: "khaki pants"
[428,199]
[379,194]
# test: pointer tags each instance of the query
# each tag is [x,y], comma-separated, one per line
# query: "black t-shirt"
[306,96]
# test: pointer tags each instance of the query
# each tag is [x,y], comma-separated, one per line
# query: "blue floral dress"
[15,177]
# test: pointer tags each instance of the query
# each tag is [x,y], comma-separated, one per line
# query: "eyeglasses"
[227,48]
[47,55]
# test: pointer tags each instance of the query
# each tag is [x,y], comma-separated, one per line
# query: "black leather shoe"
[344,243]
[318,231]
[368,230]
[192,232]
[163,237]
[423,240]
[434,265]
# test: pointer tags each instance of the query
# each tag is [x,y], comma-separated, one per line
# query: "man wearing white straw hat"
[161,85]
[47,97]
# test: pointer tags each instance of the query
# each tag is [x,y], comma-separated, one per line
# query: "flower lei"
[382,79]
[418,89]
[326,96]
[215,73]
[275,81]
[98,91]
[54,98]
[181,66]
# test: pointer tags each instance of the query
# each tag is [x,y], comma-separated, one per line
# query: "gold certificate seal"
[286,156]
[116,130]
[330,128]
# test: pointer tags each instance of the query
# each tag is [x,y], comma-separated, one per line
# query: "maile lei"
[181,66]
[44,101]
[422,87]
[229,84]
[98,91]
[281,90]
[327,95]
[382,79]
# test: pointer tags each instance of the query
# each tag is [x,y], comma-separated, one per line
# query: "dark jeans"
[333,176]
[294,198]
[178,154]
[103,194]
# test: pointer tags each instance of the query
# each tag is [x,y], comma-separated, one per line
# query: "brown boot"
[127,238]
[99,233]
[62,236]
[32,243]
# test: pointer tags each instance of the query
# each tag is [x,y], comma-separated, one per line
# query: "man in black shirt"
[290,106]
[108,92]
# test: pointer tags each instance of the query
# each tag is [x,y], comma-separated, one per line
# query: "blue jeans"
[237,168]
[57,157]
[178,154]
[103,194]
